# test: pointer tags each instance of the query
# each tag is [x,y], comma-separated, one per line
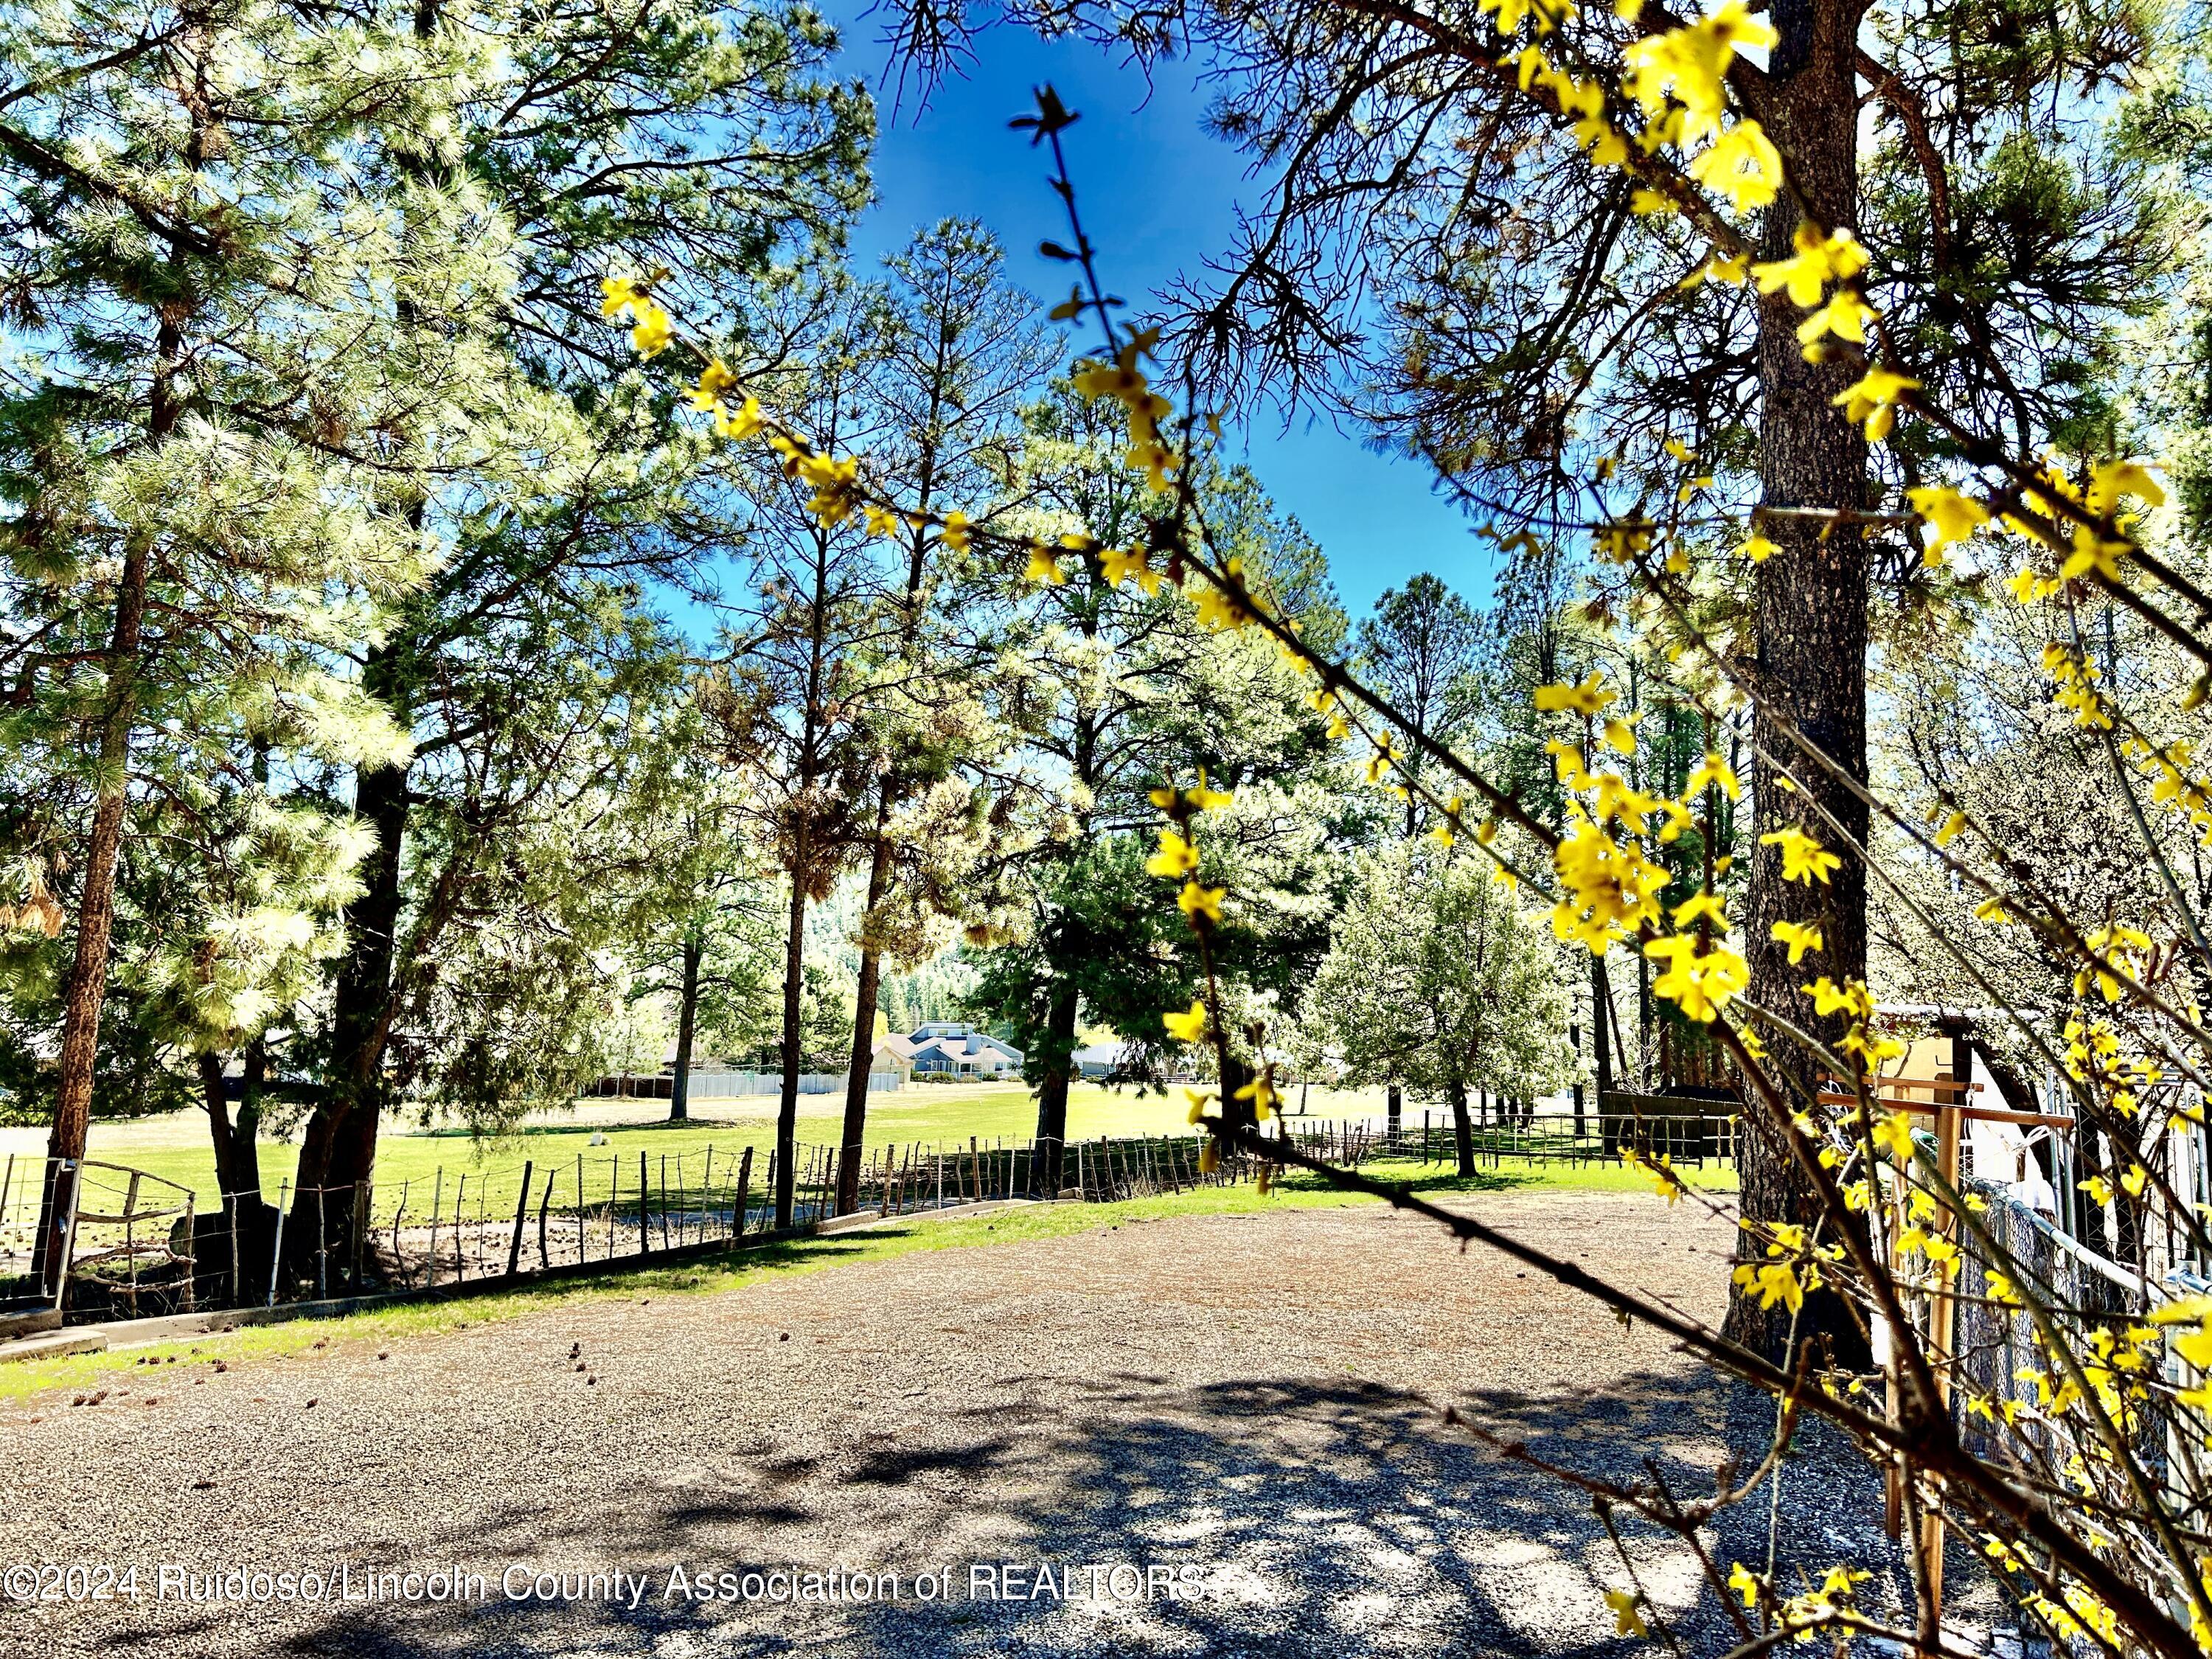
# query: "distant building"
[1101,1060]
[946,1050]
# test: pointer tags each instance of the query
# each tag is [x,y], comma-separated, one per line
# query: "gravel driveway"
[1221,1435]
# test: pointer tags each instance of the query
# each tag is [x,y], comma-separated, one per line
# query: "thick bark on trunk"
[1600,1037]
[1575,1042]
[338,1151]
[88,982]
[96,919]
[244,1129]
[216,1099]
[1810,602]
[1463,1129]
[786,1106]
[1052,1088]
[237,1152]
[1393,1112]
[687,1026]
[864,991]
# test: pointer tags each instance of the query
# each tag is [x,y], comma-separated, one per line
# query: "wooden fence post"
[521,1210]
[398,1261]
[644,1213]
[460,1225]
[191,1243]
[364,1216]
[745,1179]
[545,1203]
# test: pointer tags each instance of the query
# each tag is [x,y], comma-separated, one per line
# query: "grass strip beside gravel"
[28,1380]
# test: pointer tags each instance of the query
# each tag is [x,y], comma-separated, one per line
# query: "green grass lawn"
[424,1164]
[176,1148]
[401,1320]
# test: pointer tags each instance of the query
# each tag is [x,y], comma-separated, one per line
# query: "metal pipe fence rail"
[121,1223]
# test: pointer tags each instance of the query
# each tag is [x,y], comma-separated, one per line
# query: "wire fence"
[125,1227]
[132,1244]
[1691,1133]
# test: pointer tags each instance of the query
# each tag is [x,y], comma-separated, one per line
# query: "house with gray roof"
[948,1050]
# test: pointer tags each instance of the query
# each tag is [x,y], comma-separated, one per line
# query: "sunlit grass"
[402,1321]
[175,1147]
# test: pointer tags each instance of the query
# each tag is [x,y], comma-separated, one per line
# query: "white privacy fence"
[728,1086]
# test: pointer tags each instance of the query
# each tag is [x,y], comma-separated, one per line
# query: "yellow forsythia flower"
[1589,697]
[1701,986]
[1626,1621]
[1718,267]
[1743,165]
[1800,937]
[1120,564]
[1187,1028]
[1712,770]
[1176,857]
[1822,256]
[1851,998]
[1894,1135]
[1803,859]
[651,330]
[1199,797]
[1743,1584]
[1196,902]
[1950,517]
[617,295]
[1846,316]
[717,378]
[1706,905]
[2110,480]
[1872,399]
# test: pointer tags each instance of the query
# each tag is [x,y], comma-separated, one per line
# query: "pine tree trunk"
[216,1099]
[865,992]
[95,921]
[246,1129]
[1052,1087]
[687,1025]
[1810,604]
[787,1107]
[1462,1129]
[338,1149]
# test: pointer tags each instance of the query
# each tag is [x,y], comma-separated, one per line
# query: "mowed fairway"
[1252,1403]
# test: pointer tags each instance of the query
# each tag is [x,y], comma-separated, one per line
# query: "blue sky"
[1157,197]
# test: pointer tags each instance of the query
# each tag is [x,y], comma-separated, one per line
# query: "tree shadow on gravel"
[1321,1515]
